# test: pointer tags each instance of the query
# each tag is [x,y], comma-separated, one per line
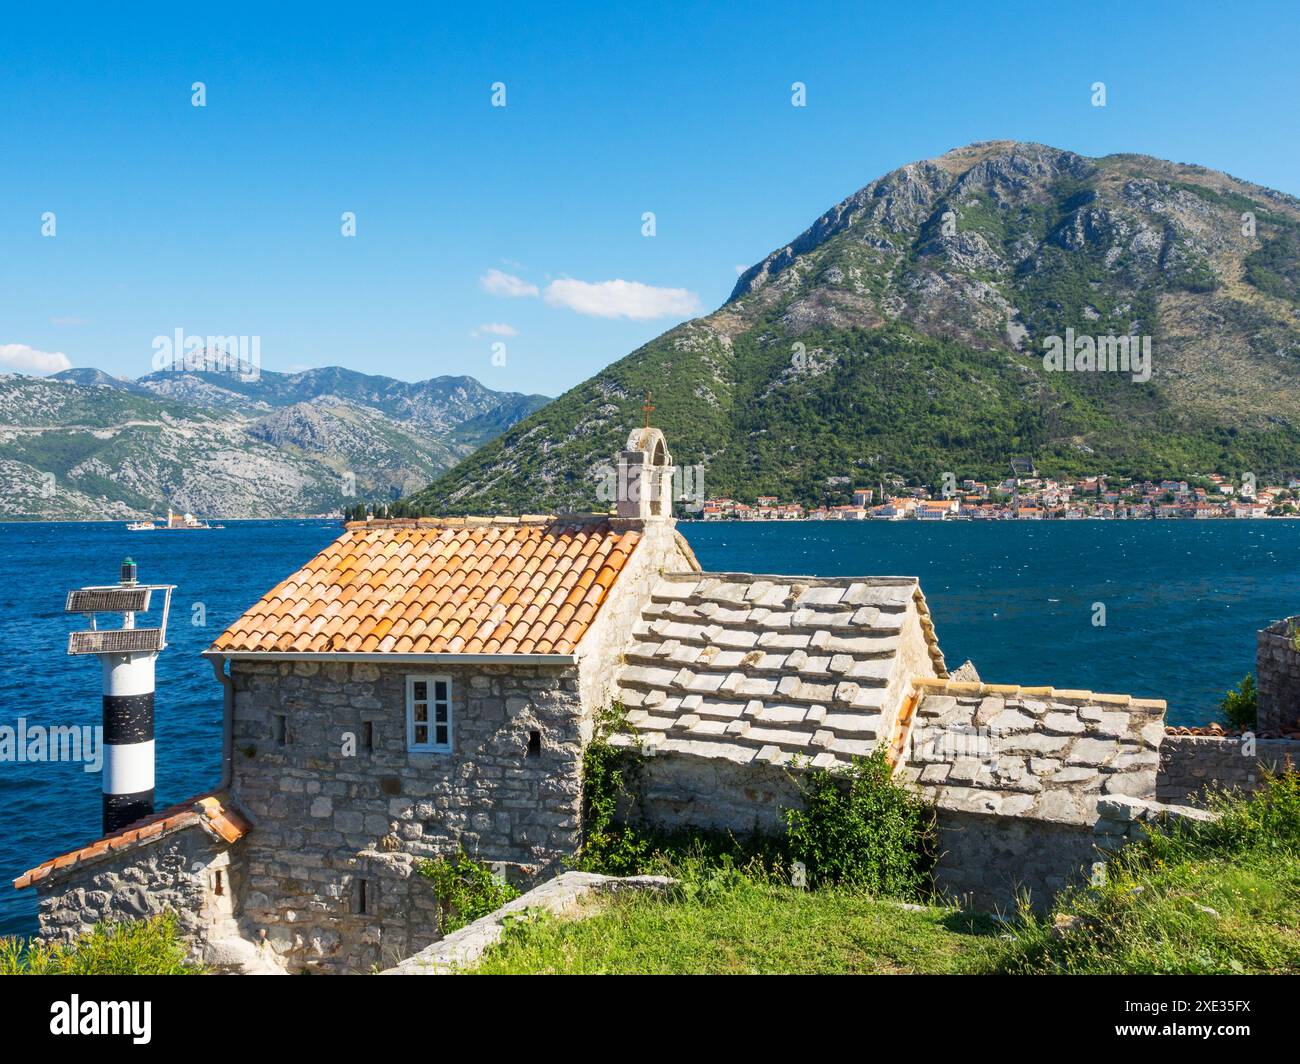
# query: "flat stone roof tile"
[778,666]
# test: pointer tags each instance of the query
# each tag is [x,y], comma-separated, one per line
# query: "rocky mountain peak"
[84,444]
[902,333]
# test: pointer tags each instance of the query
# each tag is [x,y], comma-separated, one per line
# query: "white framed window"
[428,714]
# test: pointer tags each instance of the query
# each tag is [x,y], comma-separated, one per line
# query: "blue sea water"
[1183,601]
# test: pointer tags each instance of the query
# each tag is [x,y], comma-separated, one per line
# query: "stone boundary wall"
[1190,764]
[1277,677]
[989,862]
[986,860]
[1122,820]
[564,894]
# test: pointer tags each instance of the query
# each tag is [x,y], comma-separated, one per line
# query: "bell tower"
[645,475]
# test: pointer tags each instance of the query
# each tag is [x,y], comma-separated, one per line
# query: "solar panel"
[115,641]
[108,600]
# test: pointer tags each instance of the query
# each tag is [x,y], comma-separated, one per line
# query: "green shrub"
[1212,898]
[859,828]
[466,888]
[135,947]
[1240,705]
[615,843]
[608,846]
[1266,822]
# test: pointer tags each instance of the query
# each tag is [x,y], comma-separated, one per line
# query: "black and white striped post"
[128,727]
[127,656]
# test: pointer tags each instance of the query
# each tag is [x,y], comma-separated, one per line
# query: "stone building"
[426,685]
[416,687]
[1277,672]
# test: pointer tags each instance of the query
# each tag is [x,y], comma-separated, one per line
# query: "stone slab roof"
[1038,752]
[746,667]
[528,585]
[211,811]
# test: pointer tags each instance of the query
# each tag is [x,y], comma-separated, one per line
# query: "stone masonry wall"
[1121,820]
[680,790]
[330,860]
[1277,677]
[1189,764]
[177,872]
[986,861]
[989,862]
[601,651]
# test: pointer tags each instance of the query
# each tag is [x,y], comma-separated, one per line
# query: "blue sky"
[226,219]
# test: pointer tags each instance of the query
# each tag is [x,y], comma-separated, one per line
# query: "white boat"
[141,526]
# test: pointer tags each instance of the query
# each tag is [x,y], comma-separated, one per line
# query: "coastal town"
[1031,498]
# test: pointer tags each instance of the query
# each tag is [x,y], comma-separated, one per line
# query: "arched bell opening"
[647,473]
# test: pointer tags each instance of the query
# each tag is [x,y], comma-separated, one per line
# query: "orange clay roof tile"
[441,588]
[213,811]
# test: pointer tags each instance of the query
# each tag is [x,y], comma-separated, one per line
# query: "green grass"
[144,947]
[1221,898]
[1218,898]
[746,928]
[1202,917]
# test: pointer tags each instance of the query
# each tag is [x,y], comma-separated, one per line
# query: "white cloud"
[496,328]
[19,358]
[622,299]
[741,268]
[499,283]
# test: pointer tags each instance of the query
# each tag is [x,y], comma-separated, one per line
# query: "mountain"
[439,405]
[97,378]
[81,444]
[904,333]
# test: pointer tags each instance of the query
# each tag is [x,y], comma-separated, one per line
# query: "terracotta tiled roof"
[488,586]
[212,811]
[1223,731]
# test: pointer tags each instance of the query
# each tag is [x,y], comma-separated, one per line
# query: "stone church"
[422,685]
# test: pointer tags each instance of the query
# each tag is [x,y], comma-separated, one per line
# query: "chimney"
[126,656]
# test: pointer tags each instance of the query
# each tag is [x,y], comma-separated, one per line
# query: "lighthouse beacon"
[127,657]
